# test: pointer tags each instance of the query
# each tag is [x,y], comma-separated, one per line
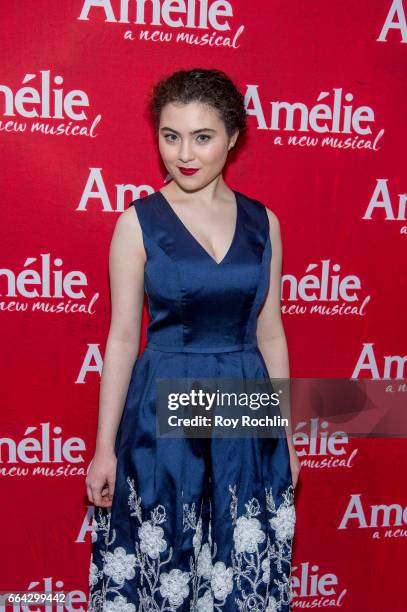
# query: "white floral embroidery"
[265,566]
[175,586]
[248,534]
[255,550]
[284,522]
[205,603]
[151,540]
[94,536]
[120,565]
[257,578]
[272,605]
[93,574]
[204,567]
[119,604]
[221,580]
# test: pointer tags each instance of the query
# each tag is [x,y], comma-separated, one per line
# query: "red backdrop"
[325,85]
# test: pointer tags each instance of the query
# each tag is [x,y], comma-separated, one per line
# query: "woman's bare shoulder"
[274,222]
[129,216]
[128,231]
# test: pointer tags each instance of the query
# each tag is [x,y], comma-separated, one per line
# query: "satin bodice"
[194,302]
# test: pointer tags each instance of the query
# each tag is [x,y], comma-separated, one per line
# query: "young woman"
[192,523]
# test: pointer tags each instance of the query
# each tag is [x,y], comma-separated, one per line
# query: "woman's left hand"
[295,463]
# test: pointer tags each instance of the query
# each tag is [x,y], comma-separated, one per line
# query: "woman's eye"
[200,138]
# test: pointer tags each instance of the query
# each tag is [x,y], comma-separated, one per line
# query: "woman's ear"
[233,140]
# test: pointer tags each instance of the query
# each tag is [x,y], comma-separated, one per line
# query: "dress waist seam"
[201,349]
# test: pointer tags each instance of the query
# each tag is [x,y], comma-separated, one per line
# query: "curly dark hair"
[211,87]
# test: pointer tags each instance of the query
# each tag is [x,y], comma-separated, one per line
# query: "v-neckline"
[195,240]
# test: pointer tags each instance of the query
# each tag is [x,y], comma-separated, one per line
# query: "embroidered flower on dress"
[284,522]
[197,538]
[119,604]
[151,540]
[174,585]
[93,573]
[205,603]
[204,566]
[248,534]
[120,565]
[94,528]
[221,580]
[265,566]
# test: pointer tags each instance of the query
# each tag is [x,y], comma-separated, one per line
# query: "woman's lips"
[188,171]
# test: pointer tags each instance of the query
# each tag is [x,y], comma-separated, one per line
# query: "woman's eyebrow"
[193,132]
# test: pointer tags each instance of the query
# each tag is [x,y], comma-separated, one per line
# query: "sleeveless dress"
[196,524]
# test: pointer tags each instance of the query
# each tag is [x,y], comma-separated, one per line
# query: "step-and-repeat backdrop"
[325,86]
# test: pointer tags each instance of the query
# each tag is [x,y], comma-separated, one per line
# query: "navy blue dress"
[196,524]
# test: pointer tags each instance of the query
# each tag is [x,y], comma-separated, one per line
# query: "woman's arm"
[126,272]
[270,331]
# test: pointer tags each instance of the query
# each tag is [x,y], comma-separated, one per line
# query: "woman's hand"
[295,463]
[101,478]
[295,468]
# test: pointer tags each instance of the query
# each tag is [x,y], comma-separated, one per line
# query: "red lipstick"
[188,171]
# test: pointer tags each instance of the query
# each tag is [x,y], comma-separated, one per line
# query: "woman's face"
[193,136]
